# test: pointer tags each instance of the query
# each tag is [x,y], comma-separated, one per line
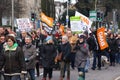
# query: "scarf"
[12,48]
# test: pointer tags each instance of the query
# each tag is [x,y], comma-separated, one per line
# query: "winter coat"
[30,55]
[12,60]
[118,45]
[112,45]
[66,51]
[91,42]
[1,46]
[81,54]
[48,55]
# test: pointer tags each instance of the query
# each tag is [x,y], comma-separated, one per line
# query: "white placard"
[24,24]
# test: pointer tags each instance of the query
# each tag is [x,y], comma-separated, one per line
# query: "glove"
[26,60]
[23,74]
[1,72]
[64,59]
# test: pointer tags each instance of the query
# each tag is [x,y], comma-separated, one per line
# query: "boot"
[43,78]
[68,78]
[49,78]
[61,78]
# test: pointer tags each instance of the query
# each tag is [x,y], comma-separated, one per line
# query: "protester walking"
[82,51]
[12,60]
[30,56]
[48,57]
[65,59]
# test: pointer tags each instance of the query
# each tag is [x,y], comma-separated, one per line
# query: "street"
[105,74]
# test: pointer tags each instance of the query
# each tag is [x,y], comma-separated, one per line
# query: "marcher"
[96,51]
[12,60]
[48,56]
[112,48]
[30,56]
[35,39]
[65,60]
[82,51]
[21,42]
[2,41]
[118,48]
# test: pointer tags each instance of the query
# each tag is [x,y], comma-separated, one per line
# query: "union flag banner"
[101,37]
[48,20]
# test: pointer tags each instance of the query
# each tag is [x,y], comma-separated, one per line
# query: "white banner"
[24,24]
[75,24]
[85,20]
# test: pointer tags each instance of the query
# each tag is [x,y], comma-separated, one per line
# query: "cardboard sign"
[24,24]
[102,38]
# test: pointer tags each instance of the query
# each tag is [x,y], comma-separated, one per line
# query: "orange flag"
[61,29]
[101,37]
[46,19]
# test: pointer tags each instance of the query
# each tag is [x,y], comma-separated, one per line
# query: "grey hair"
[28,37]
[65,37]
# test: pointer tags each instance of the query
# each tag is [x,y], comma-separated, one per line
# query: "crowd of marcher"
[22,54]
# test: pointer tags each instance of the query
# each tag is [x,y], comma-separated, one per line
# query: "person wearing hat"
[48,56]
[12,60]
[82,51]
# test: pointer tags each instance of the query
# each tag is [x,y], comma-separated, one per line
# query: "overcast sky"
[73,1]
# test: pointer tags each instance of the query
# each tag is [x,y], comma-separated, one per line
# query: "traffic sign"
[93,15]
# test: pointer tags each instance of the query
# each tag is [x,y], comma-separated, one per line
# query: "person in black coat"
[12,60]
[65,60]
[112,48]
[48,56]
[2,41]
[95,48]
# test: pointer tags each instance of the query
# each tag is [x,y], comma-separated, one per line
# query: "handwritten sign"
[24,24]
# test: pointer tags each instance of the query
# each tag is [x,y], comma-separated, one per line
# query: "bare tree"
[6,6]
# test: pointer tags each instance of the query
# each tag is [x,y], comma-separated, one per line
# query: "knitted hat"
[48,38]
[81,36]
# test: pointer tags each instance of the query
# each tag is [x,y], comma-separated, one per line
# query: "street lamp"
[67,16]
[95,5]
[12,15]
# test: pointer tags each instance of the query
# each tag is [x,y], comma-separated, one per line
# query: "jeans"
[31,73]
[112,58]
[63,67]
[117,57]
[48,71]
[87,64]
[105,53]
[72,57]
[37,68]
[96,55]
[15,77]
[83,71]
[0,77]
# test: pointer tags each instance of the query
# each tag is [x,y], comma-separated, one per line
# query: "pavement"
[105,74]
[111,73]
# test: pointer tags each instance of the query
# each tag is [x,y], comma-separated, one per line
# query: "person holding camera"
[81,56]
